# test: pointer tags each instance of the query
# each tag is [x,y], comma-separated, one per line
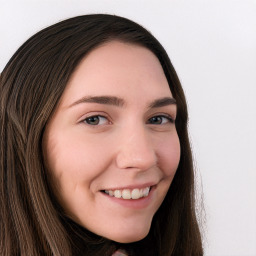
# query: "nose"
[136,150]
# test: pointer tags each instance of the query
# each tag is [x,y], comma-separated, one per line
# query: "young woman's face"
[111,147]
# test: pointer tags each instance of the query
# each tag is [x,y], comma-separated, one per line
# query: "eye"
[161,119]
[96,120]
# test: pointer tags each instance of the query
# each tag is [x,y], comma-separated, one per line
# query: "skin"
[126,143]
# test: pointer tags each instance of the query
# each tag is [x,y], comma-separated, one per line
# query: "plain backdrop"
[212,44]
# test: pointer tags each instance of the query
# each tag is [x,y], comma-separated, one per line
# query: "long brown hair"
[31,220]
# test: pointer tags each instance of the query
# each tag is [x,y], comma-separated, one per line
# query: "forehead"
[118,67]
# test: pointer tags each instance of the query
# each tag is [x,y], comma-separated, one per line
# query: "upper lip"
[133,186]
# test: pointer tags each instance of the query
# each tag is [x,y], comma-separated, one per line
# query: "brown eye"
[160,120]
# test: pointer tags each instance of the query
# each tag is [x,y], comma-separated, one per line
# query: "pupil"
[93,120]
[156,120]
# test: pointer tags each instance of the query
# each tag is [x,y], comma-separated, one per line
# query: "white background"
[212,44]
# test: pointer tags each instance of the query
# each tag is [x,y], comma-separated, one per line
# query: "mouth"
[127,194]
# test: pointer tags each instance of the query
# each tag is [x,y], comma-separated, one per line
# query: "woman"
[95,155]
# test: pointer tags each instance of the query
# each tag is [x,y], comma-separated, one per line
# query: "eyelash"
[99,117]
[86,120]
[167,117]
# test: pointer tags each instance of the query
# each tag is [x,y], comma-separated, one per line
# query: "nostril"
[143,160]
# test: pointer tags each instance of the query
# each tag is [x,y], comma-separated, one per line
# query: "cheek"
[169,155]
[75,159]
[72,167]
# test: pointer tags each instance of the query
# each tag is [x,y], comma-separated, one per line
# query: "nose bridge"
[136,149]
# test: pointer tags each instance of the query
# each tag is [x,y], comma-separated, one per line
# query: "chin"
[130,238]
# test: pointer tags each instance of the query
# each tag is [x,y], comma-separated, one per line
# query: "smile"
[135,193]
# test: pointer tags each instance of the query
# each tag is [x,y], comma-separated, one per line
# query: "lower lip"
[133,203]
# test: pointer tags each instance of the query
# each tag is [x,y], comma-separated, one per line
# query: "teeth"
[117,193]
[126,194]
[146,191]
[136,193]
[129,193]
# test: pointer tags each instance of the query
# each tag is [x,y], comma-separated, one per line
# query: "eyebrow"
[105,100]
[162,102]
[115,101]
